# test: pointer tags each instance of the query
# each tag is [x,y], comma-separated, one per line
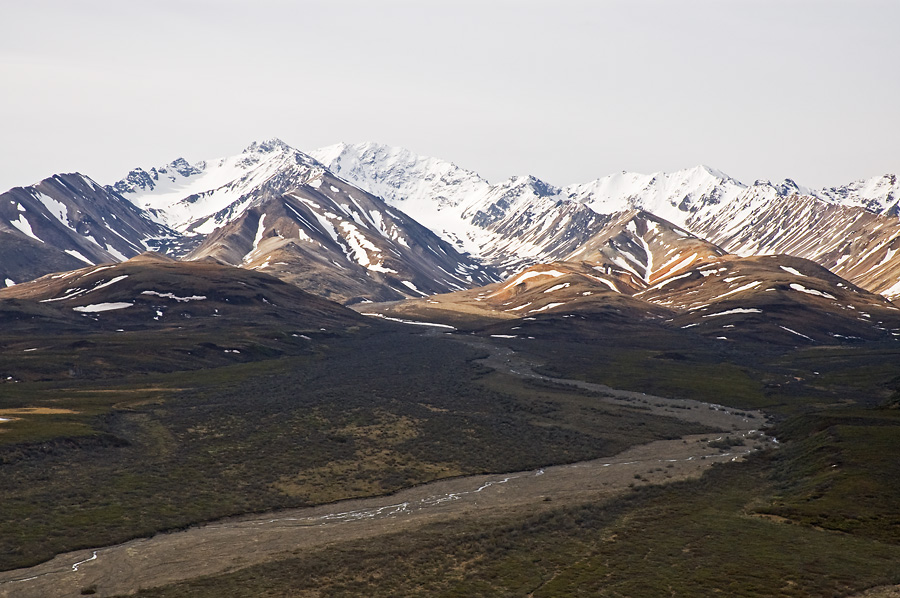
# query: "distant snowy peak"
[435,192]
[877,194]
[399,175]
[522,220]
[140,180]
[200,197]
[674,196]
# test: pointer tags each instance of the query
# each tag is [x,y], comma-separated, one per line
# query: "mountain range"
[851,230]
[369,223]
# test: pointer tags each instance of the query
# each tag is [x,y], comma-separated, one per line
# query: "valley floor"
[232,544]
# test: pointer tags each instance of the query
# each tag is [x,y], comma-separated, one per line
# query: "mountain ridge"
[318,220]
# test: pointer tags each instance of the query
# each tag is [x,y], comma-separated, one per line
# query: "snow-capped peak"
[268,146]
[879,194]
[674,196]
[435,192]
[204,195]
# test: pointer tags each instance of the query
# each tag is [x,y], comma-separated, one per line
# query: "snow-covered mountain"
[518,222]
[198,198]
[524,221]
[67,221]
[275,208]
[878,194]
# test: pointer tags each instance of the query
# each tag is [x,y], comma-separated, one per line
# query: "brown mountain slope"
[154,291]
[769,299]
[644,248]
[152,314]
[777,299]
[852,242]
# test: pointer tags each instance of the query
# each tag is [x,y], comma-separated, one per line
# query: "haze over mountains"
[371,223]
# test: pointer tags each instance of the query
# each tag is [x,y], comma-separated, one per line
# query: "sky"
[568,91]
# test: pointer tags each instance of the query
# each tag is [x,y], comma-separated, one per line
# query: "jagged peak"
[389,155]
[268,146]
[541,187]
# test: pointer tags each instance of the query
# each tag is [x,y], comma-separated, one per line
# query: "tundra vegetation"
[109,453]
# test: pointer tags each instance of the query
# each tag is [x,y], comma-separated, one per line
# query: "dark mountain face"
[153,291]
[23,258]
[67,220]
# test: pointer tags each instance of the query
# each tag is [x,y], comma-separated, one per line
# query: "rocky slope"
[338,241]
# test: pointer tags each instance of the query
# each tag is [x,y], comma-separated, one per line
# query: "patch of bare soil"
[35,411]
[880,592]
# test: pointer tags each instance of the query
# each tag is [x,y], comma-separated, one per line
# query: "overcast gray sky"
[568,91]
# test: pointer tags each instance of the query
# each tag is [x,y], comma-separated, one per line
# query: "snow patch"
[893,291]
[548,306]
[746,287]
[24,226]
[384,317]
[557,287]
[175,297]
[108,283]
[260,230]
[794,331]
[803,289]
[737,310]
[795,272]
[116,253]
[57,208]
[78,255]
[98,307]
